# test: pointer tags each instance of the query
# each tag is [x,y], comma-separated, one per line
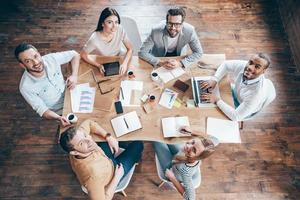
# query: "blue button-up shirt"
[47,92]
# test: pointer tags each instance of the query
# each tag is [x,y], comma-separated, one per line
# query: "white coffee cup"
[72,118]
[154,76]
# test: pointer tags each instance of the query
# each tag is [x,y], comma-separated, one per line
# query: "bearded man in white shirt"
[42,84]
[247,89]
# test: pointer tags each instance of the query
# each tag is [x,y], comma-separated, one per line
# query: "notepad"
[130,92]
[82,98]
[225,131]
[171,126]
[126,123]
[166,75]
[168,98]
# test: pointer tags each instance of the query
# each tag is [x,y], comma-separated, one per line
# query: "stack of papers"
[166,75]
[127,91]
[82,98]
[225,131]
[168,98]
[126,123]
[171,126]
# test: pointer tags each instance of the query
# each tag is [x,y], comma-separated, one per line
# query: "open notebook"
[171,126]
[126,123]
[166,75]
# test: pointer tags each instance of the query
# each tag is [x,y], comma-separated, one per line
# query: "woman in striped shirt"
[181,162]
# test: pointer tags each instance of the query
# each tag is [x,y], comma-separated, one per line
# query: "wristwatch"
[107,135]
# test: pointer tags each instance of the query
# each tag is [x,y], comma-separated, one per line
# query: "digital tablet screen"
[111,69]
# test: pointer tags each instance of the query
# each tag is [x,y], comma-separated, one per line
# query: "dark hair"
[105,14]
[22,47]
[266,58]
[66,137]
[175,12]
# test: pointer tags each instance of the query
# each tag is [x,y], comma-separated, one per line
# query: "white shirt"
[112,48]
[249,93]
[46,92]
[172,43]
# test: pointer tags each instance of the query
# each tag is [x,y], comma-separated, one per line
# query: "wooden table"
[151,123]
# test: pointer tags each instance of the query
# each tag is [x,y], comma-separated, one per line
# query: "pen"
[126,123]
[171,98]
[122,93]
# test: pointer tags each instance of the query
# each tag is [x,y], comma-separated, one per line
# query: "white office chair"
[131,28]
[196,177]
[270,92]
[122,185]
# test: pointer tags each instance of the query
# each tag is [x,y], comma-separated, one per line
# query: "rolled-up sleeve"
[35,102]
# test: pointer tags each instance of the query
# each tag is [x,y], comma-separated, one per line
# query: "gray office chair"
[122,185]
[161,174]
[131,28]
[270,92]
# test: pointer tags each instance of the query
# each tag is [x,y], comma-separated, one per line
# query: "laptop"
[197,91]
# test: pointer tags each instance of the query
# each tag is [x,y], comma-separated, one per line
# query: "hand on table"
[71,81]
[123,69]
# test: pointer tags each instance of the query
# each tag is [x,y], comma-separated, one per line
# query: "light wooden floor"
[265,166]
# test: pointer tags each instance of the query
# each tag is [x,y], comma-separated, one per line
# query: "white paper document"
[197,91]
[126,123]
[225,130]
[127,87]
[82,98]
[171,126]
[168,98]
[167,75]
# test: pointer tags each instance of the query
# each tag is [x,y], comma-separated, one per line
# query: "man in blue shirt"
[42,84]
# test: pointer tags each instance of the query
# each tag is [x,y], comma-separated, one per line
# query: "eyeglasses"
[176,25]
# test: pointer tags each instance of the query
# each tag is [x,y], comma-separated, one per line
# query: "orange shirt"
[95,171]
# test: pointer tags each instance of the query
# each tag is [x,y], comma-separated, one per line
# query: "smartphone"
[118,107]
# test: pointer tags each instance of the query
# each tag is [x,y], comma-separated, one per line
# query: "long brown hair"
[209,148]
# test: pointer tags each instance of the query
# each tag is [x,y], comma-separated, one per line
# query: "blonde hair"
[209,148]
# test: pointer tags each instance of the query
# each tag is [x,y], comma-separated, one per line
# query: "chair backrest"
[131,28]
[196,177]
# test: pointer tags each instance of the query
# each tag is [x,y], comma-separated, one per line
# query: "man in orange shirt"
[95,166]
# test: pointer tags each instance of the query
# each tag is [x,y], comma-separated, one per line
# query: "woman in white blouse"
[107,40]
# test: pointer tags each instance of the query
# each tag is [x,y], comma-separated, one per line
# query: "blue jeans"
[165,153]
[131,155]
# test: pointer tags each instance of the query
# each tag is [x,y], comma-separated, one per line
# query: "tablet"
[111,69]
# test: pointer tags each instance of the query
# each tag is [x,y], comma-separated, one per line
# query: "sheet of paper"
[171,126]
[82,98]
[127,87]
[168,98]
[126,123]
[225,130]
